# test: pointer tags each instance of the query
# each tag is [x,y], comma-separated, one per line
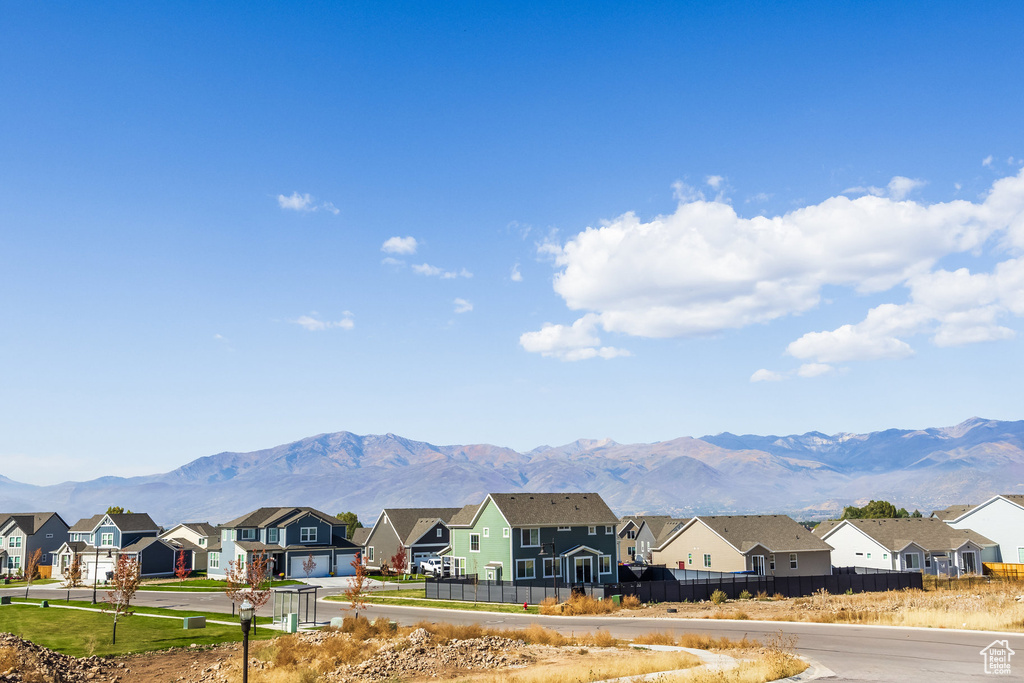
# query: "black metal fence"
[692,590]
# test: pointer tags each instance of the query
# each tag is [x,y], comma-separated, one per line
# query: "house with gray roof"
[99,540]
[1000,518]
[767,545]
[290,537]
[638,534]
[906,544]
[196,539]
[423,532]
[21,534]
[539,538]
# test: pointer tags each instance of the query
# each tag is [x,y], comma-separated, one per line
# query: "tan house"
[768,545]
[638,533]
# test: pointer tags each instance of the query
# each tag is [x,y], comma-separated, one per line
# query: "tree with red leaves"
[245,581]
[181,568]
[399,559]
[356,591]
[124,582]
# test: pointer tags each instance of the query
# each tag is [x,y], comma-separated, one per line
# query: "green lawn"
[220,616]
[415,598]
[83,633]
[405,578]
[21,584]
[201,585]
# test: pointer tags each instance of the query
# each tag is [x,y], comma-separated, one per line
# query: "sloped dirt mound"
[22,661]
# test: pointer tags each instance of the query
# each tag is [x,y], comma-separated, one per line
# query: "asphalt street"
[854,653]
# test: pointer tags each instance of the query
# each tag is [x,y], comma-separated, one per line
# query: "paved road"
[855,653]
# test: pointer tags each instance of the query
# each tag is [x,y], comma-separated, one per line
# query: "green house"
[536,538]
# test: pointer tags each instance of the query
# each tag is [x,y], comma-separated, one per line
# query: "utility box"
[291,622]
[190,623]
[337,622]
[44,603]
[5,600]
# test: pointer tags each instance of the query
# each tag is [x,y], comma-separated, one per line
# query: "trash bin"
[616,600]
[291,622]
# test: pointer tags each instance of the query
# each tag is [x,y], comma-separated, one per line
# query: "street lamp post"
[245,612]
[96,572]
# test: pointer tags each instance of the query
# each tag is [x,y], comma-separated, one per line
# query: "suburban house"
[291,537]
[628,531]
[768,545]
[99,540]
[907,544]
[21,534]
[536,537]
[359,537]
[423,532]
[1000,518]
[196,539]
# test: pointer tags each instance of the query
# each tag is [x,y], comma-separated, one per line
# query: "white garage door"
[345,567]
[296,571]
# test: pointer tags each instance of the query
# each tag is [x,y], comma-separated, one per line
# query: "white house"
[908,544]
[1000,518]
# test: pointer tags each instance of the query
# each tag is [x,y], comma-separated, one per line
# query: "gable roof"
[955,512]
[29,522]
[465,516]
[554,509]
[129,521]
[655,522]
[775,533]
[668,529]
[411,523]
[927,532]
[86,524]
[360,535]
[272,516]
[658,524]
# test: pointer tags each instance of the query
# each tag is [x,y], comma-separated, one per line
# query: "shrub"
[745,595]
[849,591]
[762,596]
[656,638]
[631,602]
[718,597]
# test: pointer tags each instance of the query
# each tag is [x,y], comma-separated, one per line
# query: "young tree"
[246,581]
[399,559]
[125,582]
[73,574]
[356,591]
[32,568]
[309,565]
[181,569]
[351,522]
[117,510]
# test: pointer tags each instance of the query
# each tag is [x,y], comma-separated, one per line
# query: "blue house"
[290,537]
[99,540]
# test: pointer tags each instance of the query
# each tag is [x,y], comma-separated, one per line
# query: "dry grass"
[532,635]
[698,641]
[775,660]
[597,667]
[578,605]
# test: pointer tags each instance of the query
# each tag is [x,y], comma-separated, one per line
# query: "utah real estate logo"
[997,658]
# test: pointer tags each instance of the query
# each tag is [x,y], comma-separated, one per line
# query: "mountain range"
[808,476]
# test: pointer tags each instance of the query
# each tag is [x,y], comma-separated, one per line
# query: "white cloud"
[434,271]
[898,188]
[516,276]
[987,161]
[296,202]
[305,202]
[714,181]
[815,370]
[390,261]
[764,375]
[314,324]
[573,342]
[462,306]
[400,245]
[704,269]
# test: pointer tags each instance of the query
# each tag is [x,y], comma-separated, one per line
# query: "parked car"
[435,566]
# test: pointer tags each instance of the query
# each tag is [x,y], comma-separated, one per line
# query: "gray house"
[196,539]
[290,537]
[423,532]
[99,540]
[21,534]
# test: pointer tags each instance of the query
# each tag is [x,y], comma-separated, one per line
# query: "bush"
[718,597]
[745,595]
[762,596]
[631,602]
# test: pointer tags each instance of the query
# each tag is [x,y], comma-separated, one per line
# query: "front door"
[757,564]
[584,570]
[970,566]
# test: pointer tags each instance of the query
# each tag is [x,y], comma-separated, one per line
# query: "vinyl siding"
[696,541]
[1002,522]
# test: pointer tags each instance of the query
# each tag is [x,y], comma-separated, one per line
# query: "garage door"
[345,567]
[323,566]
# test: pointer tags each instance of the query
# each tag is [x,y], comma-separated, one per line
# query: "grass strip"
[83,633]
[142,610]
[377,599]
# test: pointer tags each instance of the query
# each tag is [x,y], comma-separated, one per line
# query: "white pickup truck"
[435,566]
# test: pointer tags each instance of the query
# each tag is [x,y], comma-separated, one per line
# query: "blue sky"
[635,222]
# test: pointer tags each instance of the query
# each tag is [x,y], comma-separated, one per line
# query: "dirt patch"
[181,665]
[22,661]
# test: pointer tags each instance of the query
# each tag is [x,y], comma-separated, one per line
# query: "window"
[885,556]
[912,561]
[13,561]
[609,531]
[869,556]
[604,564]
[565,528]
[551,568]
[1020,555]
[107,538]
[240,564]
[202,541]
[592,530]
[631,534]
[771,562]
[530,538]
[369,554]
[506,532]
[927,559]
[792,560]
[272,535]
[474,543]
[213,560]
[707,559]
[631,550]
[439,530]
[689,559]
[525,569]
[458,566]
[487,532]
[248,534]
[49,535]
[307,534]
[15,542]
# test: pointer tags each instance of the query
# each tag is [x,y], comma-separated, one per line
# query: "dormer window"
[248,534]
[107,538]
[307,534]
[272,535]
